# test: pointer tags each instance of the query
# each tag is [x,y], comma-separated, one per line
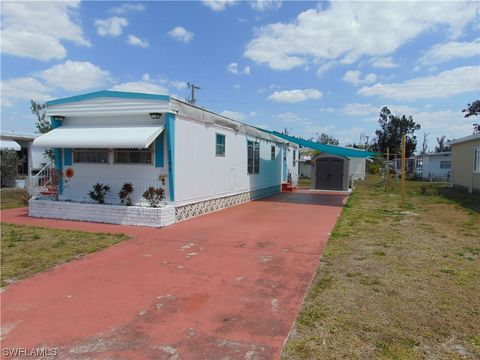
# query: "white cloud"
[126,8]
[219,5]
[111,27]
[263,5]
[182,34]
[179,85]
[136,41]
[141,87]
[235,115]
[297,95]
[236,86]
[354,77]
[31,29]
[384,62]
[322,69]
[452,50]
[346,31]
[357,109]
[233,68]
[23,89]
[76,76]
[444,122]
[290,117]
[445,84]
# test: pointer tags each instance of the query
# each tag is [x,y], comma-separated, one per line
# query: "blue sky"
[310,67]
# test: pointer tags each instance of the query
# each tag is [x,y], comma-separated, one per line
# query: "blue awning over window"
[324,148]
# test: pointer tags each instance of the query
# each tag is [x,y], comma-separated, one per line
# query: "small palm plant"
[98,193]
[124,194]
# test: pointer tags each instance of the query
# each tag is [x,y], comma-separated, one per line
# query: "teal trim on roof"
[324,148]
[108,93]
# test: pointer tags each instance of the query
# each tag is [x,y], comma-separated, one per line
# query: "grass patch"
[13,198]
[396,283]
[27,250]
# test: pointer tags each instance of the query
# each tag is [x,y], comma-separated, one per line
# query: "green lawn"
[396,283]
[27,250]
[13,198]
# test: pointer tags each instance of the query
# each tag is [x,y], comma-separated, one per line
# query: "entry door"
[329,174]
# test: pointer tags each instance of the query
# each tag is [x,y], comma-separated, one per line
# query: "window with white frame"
[445,164]
[90,156]
[133,156]
[294,158]
[272,153]
[253,155]
[476,159]
[219,145]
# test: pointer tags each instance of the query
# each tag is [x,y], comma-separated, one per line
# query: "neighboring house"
[202,160]
[466,163]
[434,166]
[32,159]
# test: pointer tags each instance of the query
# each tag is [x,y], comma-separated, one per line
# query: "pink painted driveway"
[227,285]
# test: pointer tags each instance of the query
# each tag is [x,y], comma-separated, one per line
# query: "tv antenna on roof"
[192,87]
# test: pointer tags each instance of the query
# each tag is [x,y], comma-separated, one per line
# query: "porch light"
[155,116]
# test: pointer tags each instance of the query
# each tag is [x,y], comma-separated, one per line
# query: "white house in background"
[202,160]
[434,166]
[32,159]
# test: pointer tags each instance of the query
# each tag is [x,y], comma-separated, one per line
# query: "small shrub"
[124,194]
[9,167]
[428,189]
[98,193]
[154,196]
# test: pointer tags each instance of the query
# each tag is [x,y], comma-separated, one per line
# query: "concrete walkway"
[227,285]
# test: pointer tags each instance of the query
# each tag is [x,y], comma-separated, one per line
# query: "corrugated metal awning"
[135,137]
[9,145]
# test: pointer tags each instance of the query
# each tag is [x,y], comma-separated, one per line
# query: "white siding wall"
[291,168]
[141,176]
[357,167]
[200,175]
[431,166]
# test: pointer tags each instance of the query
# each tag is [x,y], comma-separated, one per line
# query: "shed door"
[329,174]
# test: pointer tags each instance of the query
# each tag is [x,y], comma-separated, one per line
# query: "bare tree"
[425,143]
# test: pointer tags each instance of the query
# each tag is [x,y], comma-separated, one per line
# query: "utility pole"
[402,183]
[192,87]
[388,170]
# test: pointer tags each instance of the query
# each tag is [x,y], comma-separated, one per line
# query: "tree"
[42,124]
[472,109]
[327,139]
[9,162]
[442,145]
[392,128]
[425,143]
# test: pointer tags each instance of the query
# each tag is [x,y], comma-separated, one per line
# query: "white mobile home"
[32,159]
[434,166]
[203,161]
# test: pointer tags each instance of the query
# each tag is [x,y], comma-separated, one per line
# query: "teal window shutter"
[159,150]
[67,157]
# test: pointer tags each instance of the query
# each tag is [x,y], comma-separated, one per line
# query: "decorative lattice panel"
[203,207]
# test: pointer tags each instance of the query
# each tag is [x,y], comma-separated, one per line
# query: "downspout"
[57,122]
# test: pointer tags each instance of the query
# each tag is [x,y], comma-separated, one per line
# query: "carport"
[335,167]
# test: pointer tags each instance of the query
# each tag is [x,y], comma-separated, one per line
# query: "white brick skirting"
[110,214]
[203,207]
